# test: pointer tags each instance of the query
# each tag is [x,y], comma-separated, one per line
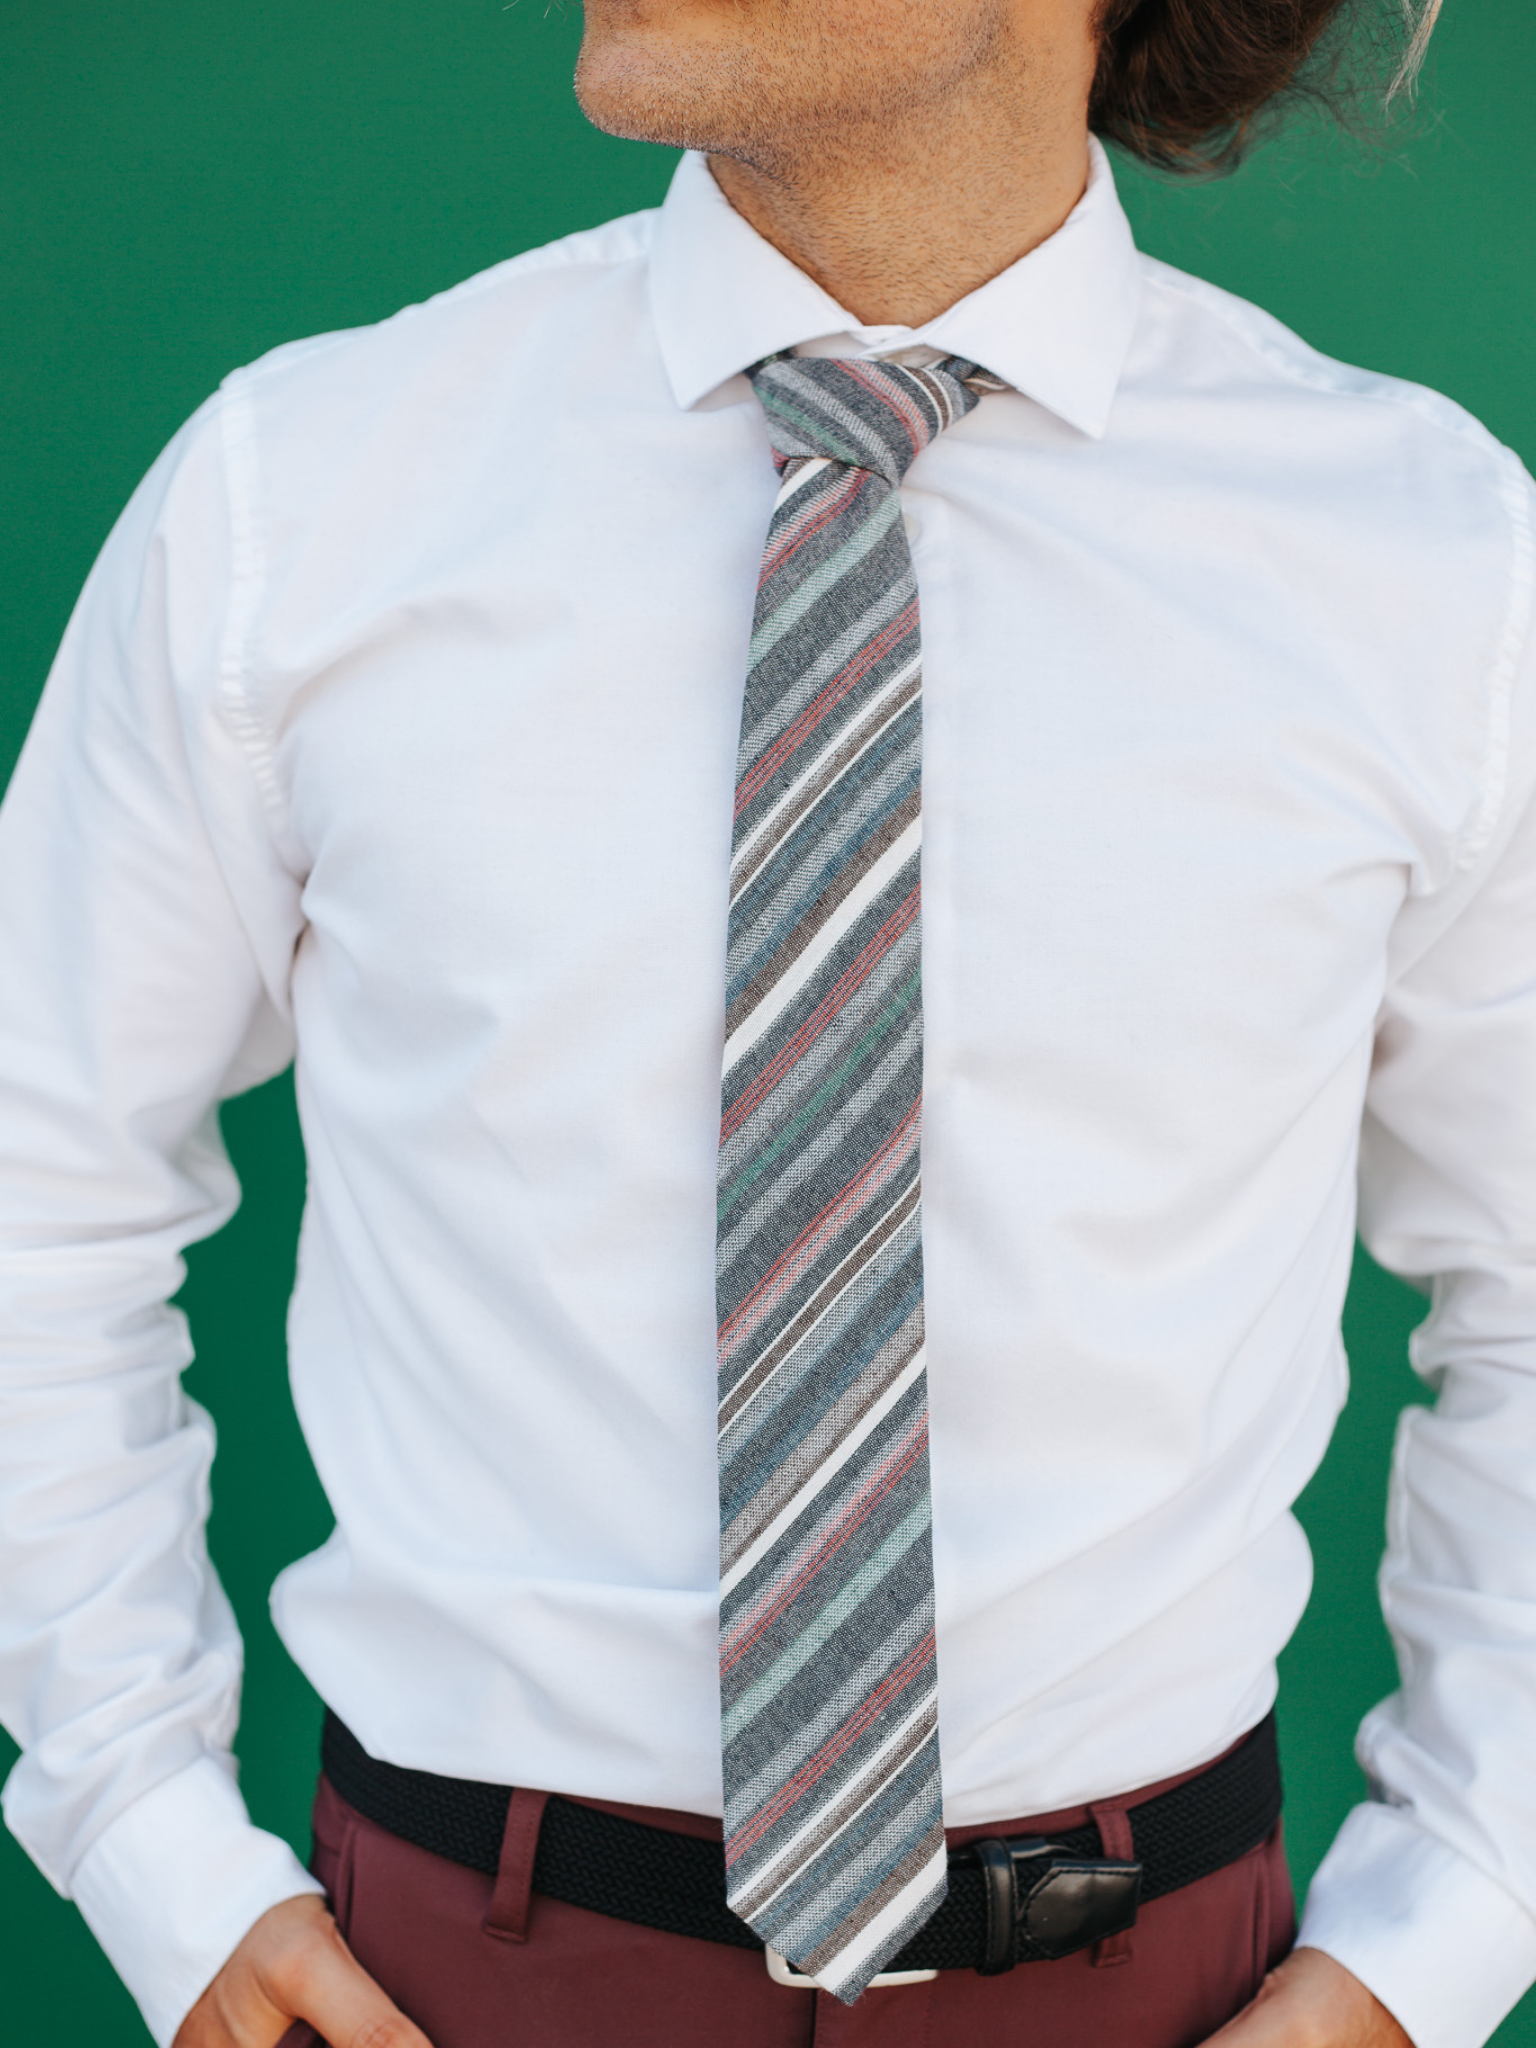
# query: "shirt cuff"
[173,1885]
[1446,1949]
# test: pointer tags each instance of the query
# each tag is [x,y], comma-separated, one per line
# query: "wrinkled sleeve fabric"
[146,930]
[1429,1892]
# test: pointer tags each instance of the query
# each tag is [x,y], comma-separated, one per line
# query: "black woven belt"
[1025,1899]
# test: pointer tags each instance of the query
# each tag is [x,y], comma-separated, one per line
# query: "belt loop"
[507,1919]
[1118,1844]
[1002,1904]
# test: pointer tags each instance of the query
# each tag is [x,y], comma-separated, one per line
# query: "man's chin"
[646,89]
[626,91]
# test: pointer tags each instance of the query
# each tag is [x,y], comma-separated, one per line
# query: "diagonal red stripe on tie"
[831,1005]
[820,707]
[837,1744]
[898,1461]
[900,402]
[785,1270]
[795,532]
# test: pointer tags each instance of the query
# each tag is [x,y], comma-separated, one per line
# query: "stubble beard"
[777,110]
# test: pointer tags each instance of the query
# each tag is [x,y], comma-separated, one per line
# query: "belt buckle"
[1063,1904]
[783,1971]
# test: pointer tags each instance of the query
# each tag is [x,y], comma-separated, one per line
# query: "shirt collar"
[1056,325]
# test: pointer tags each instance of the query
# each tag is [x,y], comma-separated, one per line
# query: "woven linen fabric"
[833,1811]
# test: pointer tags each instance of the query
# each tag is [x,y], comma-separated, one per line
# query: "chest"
[1164,806]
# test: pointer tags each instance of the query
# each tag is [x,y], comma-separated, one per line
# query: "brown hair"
[1181,83]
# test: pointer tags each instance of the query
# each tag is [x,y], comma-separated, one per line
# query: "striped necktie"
[833,1812]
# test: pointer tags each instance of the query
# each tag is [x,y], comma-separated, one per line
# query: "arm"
[1429,1894]
[146,927]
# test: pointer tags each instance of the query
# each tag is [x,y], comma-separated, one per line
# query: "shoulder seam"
[242,474]
[1515,492]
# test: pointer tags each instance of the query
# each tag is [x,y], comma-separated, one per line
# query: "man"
[403,723]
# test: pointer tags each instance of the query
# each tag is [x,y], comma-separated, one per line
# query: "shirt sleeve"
[146,930]
[1429,1892]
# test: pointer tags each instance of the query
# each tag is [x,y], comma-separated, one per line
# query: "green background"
[184,184]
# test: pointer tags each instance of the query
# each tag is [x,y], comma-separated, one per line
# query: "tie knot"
[870,415]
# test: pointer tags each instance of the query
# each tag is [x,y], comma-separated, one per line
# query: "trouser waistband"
[1012,1899]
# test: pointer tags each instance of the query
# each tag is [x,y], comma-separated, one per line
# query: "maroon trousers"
[483,1964]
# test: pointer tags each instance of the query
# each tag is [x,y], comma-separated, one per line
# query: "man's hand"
[294,1965]
[1311,2001]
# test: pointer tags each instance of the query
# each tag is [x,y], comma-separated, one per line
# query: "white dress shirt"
[396,728]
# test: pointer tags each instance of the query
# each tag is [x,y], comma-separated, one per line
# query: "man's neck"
[896,228]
